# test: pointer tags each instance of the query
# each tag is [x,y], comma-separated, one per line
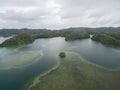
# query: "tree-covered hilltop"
[68,34]
[75,36]
[111,33]
[106,39]
[20,39]
[61,32]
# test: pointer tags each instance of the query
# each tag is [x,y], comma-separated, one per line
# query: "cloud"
[59,13]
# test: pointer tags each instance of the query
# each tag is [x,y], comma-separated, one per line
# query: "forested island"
[62,54]
[60,32]
[105,35]
[108,39]
[18,40]
[75,36]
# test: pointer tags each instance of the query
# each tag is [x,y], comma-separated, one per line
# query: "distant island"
[105,35]
[76,36]
[20,39]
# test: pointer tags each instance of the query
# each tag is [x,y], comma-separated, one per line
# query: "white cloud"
[59,13]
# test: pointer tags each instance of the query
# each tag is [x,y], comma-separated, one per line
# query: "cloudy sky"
[55,14]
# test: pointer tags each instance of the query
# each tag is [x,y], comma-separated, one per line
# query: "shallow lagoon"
[44,52]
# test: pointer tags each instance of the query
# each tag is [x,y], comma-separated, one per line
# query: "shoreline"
[66,69]
[37,80]
[38,56]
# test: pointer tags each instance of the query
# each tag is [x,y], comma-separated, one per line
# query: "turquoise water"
[18,66]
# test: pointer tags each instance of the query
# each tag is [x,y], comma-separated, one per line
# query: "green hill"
[106,39]
[76,36]
[20,39]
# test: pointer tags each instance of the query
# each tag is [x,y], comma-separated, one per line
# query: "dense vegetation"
[109,35]
[75,36]
[62,32]
[106,39]
[115,35]
[75,73]
[7,32]
[62,54]
[20,39]
[69,35]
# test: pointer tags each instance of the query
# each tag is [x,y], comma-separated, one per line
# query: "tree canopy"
[20,39]
[62,54]
[75,36]
[106,39]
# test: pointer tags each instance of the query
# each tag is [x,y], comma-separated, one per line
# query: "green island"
[108,39]
[20,39]
[62,54]
[105,35]
[76,73]
[76,36]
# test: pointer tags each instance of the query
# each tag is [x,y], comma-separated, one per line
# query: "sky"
[57,14]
